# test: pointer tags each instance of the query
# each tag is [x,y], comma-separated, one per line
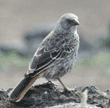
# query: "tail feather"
[20,90]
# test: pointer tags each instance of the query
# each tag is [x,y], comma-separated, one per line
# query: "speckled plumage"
[68,45]
[63,42]
[55,56]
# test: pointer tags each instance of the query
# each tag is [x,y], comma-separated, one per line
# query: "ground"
[16,17]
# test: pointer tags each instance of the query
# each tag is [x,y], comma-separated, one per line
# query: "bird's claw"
[67,90]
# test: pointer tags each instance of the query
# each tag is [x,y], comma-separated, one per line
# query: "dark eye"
[69,21]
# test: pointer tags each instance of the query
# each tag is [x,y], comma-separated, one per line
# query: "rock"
[49,95]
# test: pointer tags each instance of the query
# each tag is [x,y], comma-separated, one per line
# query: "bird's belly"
[59,69]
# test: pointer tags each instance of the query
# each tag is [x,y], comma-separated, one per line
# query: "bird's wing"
[41,60]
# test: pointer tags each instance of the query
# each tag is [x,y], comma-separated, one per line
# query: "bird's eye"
[69,21]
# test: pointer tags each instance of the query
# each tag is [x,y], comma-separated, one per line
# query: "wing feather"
[42,61]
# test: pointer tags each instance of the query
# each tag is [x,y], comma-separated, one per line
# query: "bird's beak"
[76,23]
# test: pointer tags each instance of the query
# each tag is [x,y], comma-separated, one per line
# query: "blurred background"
[24,23]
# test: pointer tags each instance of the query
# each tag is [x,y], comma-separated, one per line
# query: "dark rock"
[50,95]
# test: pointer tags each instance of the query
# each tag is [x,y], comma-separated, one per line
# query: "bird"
[55,56]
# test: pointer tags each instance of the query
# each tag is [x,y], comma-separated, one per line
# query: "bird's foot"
[50,82]
[68,90]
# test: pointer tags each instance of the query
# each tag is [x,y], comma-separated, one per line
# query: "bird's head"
[68,21]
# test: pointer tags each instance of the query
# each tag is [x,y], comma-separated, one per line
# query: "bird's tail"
[20,90]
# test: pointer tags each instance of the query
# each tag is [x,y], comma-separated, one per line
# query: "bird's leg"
[65,88]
